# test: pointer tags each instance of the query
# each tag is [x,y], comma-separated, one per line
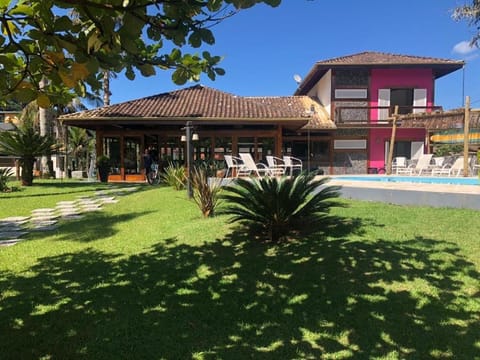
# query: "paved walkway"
[14,228]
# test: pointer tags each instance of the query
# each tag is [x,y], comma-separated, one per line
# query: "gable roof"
[373,59]
[202,104]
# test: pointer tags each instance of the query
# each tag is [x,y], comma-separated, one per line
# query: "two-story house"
[359,93]
[338,120]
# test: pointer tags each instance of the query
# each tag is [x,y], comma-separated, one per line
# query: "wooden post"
[392,142]
[466,125]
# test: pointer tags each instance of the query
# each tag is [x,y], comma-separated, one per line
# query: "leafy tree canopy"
[471,14]
[69,42]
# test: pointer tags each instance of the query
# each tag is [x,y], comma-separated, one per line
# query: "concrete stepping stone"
[15,220]
[42,211]
[41,227]
[92,208]
[9,242]
[42,217]
[72,216]
[12,234]
[44,222]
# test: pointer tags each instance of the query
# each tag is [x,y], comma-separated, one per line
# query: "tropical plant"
[80,145]
[26,144]
[448,149]
[174,176]
[5,174]
[275,208]
[205,192]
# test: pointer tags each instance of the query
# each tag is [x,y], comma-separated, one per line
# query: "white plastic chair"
[423,164]
[399,162]
[454,169]
[292,163]
[276,165]
[233,164]
[249,167]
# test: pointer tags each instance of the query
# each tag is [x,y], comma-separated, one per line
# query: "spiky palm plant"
[26,144]
[277,208]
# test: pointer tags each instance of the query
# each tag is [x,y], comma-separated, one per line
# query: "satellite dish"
[297,78]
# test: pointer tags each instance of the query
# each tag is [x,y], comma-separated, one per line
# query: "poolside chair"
[292,164]
[399,162]
[249,167]
[233,163]
[276,165]
[450,169]
[422,165]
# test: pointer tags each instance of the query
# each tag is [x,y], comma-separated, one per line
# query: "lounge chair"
[450,169]
[249,167]
[233,163]
[276,165]
[292,164]
[398,163]
[422,165]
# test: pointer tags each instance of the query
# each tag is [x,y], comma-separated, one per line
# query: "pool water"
[414,179]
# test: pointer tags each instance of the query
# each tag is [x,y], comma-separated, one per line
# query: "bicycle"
[153,176]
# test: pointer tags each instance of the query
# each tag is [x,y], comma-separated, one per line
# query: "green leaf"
[147,70]
[220,71]
[4,4]
[207,36]
[22,9]
[180,76]
[195,39]
[129,73]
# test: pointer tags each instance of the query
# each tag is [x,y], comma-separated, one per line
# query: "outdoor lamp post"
[188,138]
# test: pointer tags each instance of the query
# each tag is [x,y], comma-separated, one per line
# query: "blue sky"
[264,47]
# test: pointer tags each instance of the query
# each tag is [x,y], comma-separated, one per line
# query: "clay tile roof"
[380,58]
[200,102]
[373,59]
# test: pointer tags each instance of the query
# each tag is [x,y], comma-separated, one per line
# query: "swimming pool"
[412,179]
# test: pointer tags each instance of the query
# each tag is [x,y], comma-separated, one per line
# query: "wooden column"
[392,141]
[466,126]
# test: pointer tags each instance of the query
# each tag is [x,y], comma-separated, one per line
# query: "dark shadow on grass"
[237,299]
[94,226]
[74,188]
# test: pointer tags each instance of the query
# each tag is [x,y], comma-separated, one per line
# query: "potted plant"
[103,167]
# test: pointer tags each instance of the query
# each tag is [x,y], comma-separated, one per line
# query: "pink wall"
[400,78]
[378,137]
[388,79]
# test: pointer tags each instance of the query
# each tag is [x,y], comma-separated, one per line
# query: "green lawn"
[148,278]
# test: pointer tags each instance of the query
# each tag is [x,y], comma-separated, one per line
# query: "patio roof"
[440,120]
[205,105]
[372,59]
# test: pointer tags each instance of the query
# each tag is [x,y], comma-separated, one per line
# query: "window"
[403,98]
[351,93]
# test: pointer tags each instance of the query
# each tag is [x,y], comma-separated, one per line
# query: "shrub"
[5,173]
[277,208]
[174,176]
[205,194]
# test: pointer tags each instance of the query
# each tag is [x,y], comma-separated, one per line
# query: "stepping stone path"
[12,229]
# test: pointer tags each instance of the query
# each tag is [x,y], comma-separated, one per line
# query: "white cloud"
[464,48]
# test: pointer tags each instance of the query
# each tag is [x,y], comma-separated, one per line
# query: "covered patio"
[223,124]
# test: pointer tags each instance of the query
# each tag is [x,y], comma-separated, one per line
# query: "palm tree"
[277,208]
[27,144]
[80,145]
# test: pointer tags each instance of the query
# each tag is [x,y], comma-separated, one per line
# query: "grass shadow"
[233,299]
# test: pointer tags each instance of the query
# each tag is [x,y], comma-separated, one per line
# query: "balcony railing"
[374,115]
